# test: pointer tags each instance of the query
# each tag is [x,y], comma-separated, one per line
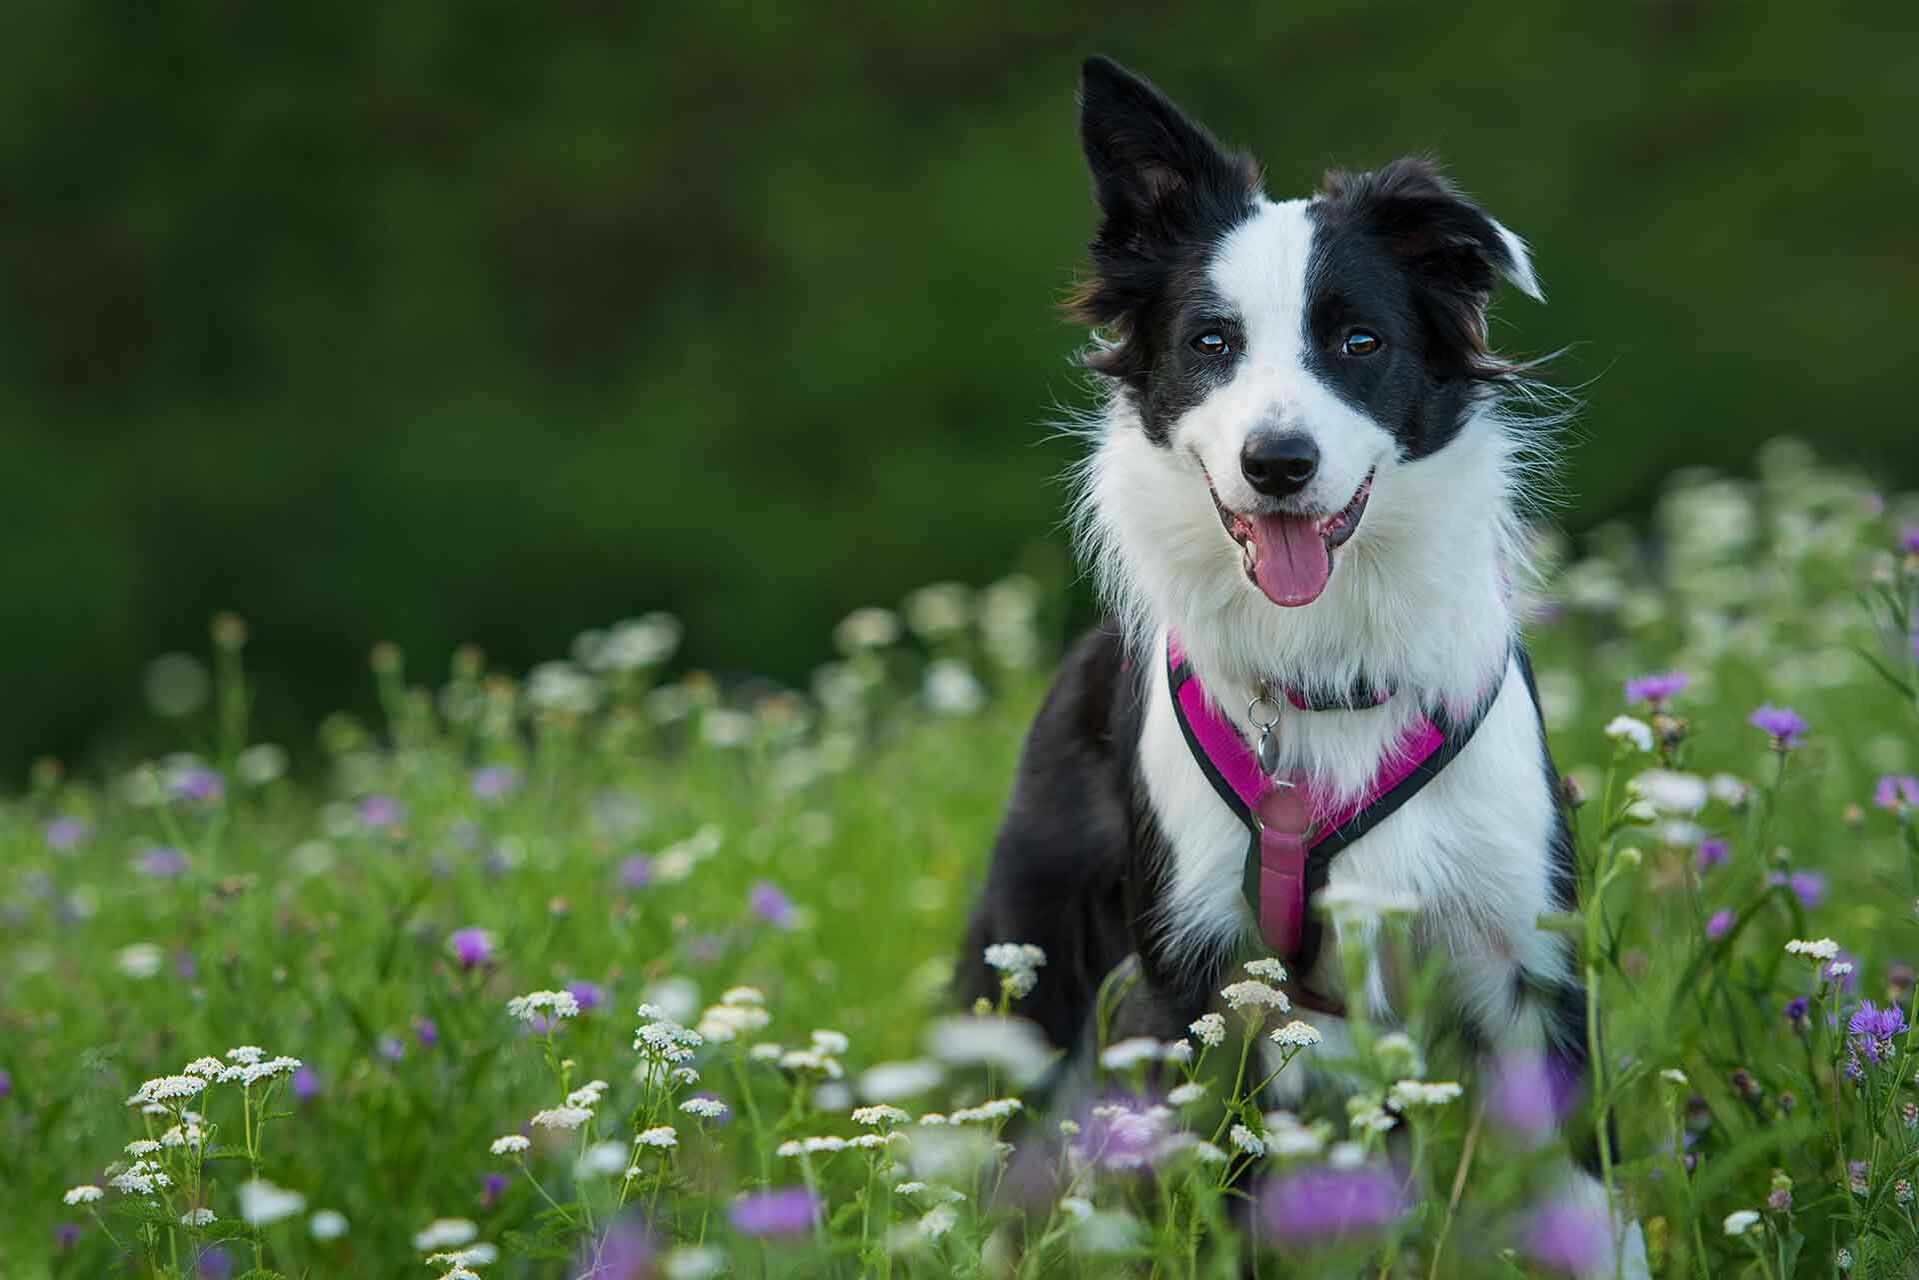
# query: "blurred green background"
[488,322]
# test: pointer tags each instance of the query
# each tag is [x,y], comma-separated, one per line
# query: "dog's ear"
[1456,251]
[1161,180]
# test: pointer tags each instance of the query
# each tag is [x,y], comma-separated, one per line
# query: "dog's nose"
[1279,463]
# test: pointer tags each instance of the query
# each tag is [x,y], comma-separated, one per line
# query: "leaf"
[1885,672]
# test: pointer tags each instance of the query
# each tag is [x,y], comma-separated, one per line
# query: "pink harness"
[1296,824]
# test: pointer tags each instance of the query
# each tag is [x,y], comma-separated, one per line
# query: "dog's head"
[1293,357]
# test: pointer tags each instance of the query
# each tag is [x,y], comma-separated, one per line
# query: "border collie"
[1302,505]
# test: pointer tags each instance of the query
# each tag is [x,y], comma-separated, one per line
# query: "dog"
[1304,503]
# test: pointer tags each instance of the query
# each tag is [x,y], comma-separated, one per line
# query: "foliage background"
[491,322]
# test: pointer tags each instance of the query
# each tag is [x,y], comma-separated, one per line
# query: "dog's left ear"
[1445,238]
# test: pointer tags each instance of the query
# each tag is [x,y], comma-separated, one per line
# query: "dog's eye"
[1211,344]
[1360,342]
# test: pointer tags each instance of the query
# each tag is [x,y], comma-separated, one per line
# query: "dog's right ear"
[1161,179]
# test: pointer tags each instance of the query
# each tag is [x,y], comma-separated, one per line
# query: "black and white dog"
[1302,504]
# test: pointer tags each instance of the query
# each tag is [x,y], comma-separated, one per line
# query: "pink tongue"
[1293,562]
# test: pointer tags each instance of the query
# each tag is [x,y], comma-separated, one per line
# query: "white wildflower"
[1018,964]
[1206,1153]
[1296,1035]
[937,1221]
[140,961]
[247,1054]
[1256,997]
[142,1177]
[327,1224]
[1210,1030]
[1398,1055]
[741,996]
[587,1095]
[561,1118]
[1366,1113]
[1670,792]
[1187,1094]
[1630,731]
[694,1262]
[198,1218]
[824,1145]
[812,1062]
[1268,968]
[552,1004]
[834,1042]
[1246,1140]
[660,1135]
[950,688]
[262,1203]
[1346,1155]
[511,1145]
[872,1141]
[85,1193]
[880,1116]
[1419,1093]
[601,1159]
[790,1148]
[1820,949]
[1013,1046]
[206,1068]
[165,1089]
[891,1081]
[1076,1208]
[704,1108]
[142,1147]
[1124,1055]
[992,1109]
[765,1052]
[1740,1222]
[1673,1075]
[445,1233]
[478,1255]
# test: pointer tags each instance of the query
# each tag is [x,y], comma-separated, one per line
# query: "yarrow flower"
[164,1089]
[1819,949]
[561,1117]
[1209,1030]
[1247,1141]
[708,1108]
[547,1004]
[85,1193]
[1655,689]
[1018,964]
[142,1177]
[198,1218]
[510,1145]
[879,1116]
[1266,967]
[660,1135]
[1253,996]
[1296,1035]
[1782,724]
[1741,1221]
[1419,1093]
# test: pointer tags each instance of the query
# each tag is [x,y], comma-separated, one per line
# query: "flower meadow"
[597,972]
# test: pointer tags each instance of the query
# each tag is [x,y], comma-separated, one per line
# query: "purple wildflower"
[306,1084]
[392,1048]
[1870,1034]
[492,1187]
[625,1252]
[186,966]
[66,1235]
[1567,1237]
[1655,689]
[162,862]
[1720,921]
[1896,792]
[1712,853]
[473,948]
[426,1031]
[1809,887]
[65,833]
[6,1084]
[215,1263]
[1324,1203]
[1529,1094]
[378,812]
[1782,724]
[1842,971]
[1909,539]
[1796,1010]
[766,901]
[197,784]
[591,995]
[495,781]
[636,871]
[790,1211]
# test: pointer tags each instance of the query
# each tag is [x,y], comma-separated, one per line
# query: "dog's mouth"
[1287,556]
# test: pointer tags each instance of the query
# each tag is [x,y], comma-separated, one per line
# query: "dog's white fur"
[1420,601]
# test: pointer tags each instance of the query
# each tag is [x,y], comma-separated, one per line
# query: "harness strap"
[1295,825]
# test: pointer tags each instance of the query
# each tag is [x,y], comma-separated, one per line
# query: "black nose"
[1279,463]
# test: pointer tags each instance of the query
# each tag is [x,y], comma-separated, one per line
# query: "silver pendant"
[1266,750]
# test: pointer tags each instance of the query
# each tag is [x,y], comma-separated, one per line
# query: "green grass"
[315,922]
